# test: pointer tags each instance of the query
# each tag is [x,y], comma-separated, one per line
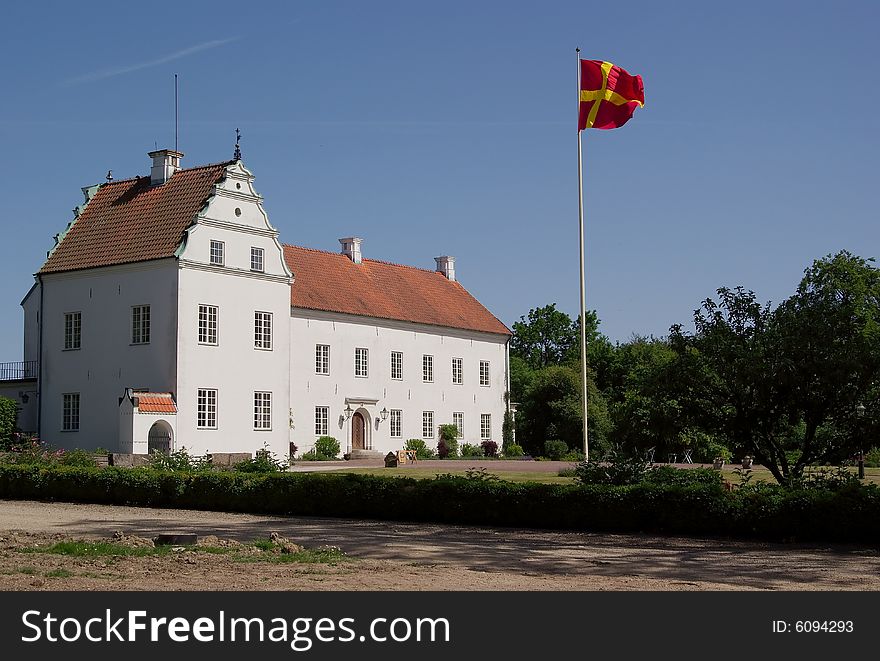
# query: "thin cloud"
[118,71]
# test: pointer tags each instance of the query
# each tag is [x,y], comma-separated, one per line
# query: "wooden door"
[358,430]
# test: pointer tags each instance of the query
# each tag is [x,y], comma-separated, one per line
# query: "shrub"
[327,447]
[264,461]
[872,458]
[506,431]
[422,450]
[490,448]
[555,450]
[442,449]
[514,450]
[620,470]
[77,458]
[178,461]
[670,475]
[849,514]
[468,450]
[32,451]
[8,414]
[449,436]
[573,455]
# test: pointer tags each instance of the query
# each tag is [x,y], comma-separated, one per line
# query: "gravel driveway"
[394,555]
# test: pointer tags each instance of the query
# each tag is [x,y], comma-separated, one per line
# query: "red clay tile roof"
[131,221]
[156,402]
[332,282]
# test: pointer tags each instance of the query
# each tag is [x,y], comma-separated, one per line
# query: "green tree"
[551,409]
[549,337]
[786,385]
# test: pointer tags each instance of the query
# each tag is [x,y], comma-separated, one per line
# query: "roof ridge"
[138,177]
[365,259]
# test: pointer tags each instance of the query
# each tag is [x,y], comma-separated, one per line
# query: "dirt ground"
[406,556]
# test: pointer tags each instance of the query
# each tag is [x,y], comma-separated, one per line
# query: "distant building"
[169,315]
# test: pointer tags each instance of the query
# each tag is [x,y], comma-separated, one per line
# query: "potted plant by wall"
[718,463]
[747,461]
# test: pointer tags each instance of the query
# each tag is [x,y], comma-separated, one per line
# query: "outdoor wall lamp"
[384,414]
[348,411]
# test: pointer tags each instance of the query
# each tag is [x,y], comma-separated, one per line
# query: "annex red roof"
[332,282]
[155,402]
[132,221]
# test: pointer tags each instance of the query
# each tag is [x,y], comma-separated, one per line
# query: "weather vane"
[237,155]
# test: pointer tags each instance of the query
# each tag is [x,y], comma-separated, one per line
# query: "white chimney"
[446,266]
[351,248]
[165,163]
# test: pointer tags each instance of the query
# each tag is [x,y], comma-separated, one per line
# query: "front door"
[357,432]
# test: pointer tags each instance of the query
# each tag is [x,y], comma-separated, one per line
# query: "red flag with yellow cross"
[609,95]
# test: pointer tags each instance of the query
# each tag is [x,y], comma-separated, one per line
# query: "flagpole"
[581,245]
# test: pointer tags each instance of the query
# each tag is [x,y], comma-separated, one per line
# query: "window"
[257,260]
[360,362]
[262,410]
[208,324]
[396,423]
[484,372]
[72,330]
[207,409]
[263,330]
[428,369]
[322,419]
[397,365]
[217,253]
[322,359]
[458,421]
[140,324]
[70,417]
[427,424]
[486,426]
[457,371]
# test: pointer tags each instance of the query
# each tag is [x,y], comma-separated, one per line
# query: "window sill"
[138,344]
[69,431]
[262,349]
[73,349]
[209,344]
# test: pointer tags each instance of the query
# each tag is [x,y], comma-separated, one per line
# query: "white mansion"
[168,314]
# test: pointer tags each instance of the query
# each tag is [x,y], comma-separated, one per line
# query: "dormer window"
[217,253]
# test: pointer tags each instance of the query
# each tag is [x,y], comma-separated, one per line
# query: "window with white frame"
[208,324]
[361,357]
[70,412]
[427,368]
[396,423]
[397,365]
[257,262]
[206,409]
[262,410]
[217,253]
[140,324]
[486,426]
[263,330]
[427,424]
[484,372]
[322,359]
[72,330]
[458,421]
[322,420]
[457,371]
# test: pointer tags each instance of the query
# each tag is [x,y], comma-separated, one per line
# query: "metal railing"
[25,369]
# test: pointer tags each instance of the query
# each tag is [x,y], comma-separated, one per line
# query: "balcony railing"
[26,369]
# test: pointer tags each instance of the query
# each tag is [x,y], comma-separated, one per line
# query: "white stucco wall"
[411,395]
[234,367]
[107,362]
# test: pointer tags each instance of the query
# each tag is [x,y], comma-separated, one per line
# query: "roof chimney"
[351,248]
[165,163]
[446,266]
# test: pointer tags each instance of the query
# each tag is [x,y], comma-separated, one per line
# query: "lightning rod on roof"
[175,112]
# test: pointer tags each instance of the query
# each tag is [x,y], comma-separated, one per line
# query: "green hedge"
[847,515]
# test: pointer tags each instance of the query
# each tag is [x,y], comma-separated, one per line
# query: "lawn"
[759,474]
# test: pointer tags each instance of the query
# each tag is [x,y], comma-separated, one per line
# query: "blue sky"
[449,128]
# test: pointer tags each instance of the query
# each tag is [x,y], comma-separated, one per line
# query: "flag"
[609,95]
